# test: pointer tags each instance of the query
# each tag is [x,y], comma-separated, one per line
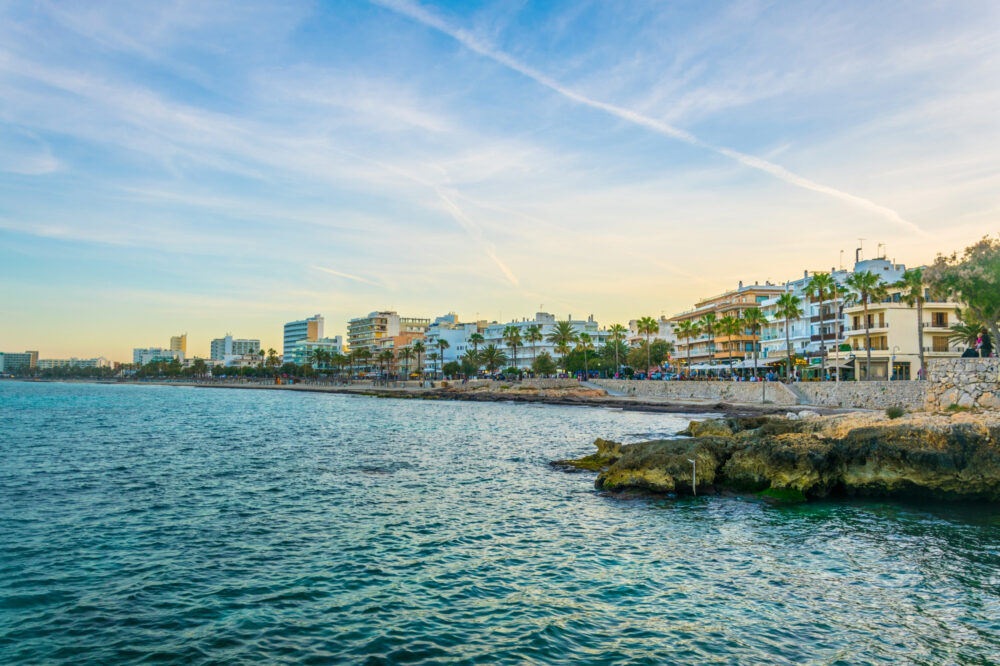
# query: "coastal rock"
[952,457]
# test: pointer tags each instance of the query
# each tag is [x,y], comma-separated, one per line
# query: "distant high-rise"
[304,329]
[223,349]
[179,342]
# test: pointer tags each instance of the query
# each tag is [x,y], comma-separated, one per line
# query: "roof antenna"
[857,252]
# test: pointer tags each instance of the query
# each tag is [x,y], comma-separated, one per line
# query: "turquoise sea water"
[182,525]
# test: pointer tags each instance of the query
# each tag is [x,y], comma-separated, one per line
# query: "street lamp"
[892,362]
[694,477]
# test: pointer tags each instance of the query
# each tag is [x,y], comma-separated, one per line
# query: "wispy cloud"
[473,43]
[348,276]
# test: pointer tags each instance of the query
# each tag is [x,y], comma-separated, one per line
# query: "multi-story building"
[304,329]
[179,342]
[707,350]
[222,349]
[144,355]
[303,351]
[815,333]
[896,338]
[366,332]
[494,335]
[665,331]
[11,362]
[51,363]
[453,332]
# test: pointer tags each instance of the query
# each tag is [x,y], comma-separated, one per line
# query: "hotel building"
[367,332]
[227,348]
[179,342]
[526,353]
[304,329]
[11,362]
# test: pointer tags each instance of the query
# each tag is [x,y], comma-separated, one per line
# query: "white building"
[304,329]
[665,331]
[225,348]
[456,334]
[547,323]
[815,333]
[50,363]
[142,356]
[302,352]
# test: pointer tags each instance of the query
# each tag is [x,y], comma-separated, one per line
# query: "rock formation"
[955,457]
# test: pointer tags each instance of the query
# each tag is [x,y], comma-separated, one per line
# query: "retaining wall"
[967,382]
[909,395]
[719,391]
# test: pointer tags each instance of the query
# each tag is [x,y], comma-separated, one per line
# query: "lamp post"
[892,362]
[694,477]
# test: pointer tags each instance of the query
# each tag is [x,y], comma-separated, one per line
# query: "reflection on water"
[207,525]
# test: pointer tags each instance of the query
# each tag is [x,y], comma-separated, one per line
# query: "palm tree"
[512,336]
[687,329]
[754,319]
[360,356]
[788,309]
[406,354]
[475,340]
[867,287]
[433,357]
[912,286]
[272,358]
[617,332]
[442,344]
[707,325]
[562,336]
[261,354]
[385,360]
[585,344]
[418,349]
[533,335]
[492,358]
[730,327]
[821,287]
[647,326]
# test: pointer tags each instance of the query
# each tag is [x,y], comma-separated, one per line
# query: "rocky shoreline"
[955,457]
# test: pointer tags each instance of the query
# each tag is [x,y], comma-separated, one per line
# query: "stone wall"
[718,391]
[536,383]
[967,382]
[909,395]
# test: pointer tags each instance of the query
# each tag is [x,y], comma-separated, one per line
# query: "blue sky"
[224,167]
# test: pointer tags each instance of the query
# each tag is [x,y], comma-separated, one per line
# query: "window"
[939,319]
[939,343]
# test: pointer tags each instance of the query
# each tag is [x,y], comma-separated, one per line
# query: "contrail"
[466,39]
[346,275]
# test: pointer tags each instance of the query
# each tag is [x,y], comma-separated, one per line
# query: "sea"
[182,525]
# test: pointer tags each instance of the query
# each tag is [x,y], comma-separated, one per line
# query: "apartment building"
[546,322]
[11,362]
[303,329]
[304,351]
[179,342]
[366,332]
[51,363]
[711,349]
[144,355]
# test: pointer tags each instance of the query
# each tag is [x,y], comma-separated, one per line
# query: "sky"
[225,167]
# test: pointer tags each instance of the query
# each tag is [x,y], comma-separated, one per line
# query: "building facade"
[303,329]
[11,362]
[303,352]
[223,348]
[546,322]
[179,342]
[367,332]
[144,355]
[51,363]
[712,349]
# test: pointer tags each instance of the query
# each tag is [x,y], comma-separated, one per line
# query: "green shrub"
[955,407]
[895,412]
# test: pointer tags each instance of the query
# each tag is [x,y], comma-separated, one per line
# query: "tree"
[821,286]
[418,349]
[385,359]
[470,367]
[272,359]
[199,367]
[866,288]
[974,280]
[512,336]
[406,354]
[686,330]
[647,326]
[452,369]
[788,309]
[442,344]
[475,340]
[492,358]
[912,293]
[433,358]
[585,345]
[562,336]
[543,365]
[707,324]
[360,357]
[754,319]
[730,326]
[533,335]
[617,332]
